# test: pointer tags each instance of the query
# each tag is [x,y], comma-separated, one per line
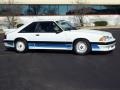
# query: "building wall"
[60,1]
[88,20]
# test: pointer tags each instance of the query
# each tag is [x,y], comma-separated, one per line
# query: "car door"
[48,35]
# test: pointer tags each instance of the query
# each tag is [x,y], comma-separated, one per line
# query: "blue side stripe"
[49,45]
[94,45]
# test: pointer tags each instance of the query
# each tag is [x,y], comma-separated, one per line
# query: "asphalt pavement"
[60,70]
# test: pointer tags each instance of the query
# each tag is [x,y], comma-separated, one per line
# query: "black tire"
[24,46]
[83,50]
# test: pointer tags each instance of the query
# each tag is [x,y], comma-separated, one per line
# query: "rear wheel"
[21,46]
[82,47]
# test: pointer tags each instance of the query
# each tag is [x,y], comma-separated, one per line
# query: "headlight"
[105,38]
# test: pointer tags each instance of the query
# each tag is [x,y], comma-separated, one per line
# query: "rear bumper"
[9,44]
[109,46]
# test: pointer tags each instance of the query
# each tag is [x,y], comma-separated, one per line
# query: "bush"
[100,23]
[19,25]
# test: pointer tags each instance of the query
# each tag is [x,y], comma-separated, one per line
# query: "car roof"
[42,20]
[46,20]
[39,20]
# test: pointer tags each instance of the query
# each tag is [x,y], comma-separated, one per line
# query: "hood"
[95,32]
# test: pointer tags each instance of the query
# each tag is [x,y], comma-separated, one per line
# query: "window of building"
[24,10]
[63,9]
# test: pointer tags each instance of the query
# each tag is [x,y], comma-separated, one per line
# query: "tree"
[10,14]
[79,12]
[12,21]
[9,11]
[40,10]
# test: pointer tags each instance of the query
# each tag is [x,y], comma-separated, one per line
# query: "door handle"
[37,35]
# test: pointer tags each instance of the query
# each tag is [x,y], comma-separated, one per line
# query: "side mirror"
[59,31]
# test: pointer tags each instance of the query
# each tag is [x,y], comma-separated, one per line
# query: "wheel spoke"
[20,46]
[81,47]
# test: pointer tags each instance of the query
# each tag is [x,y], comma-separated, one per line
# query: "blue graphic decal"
[50,45]
[95,46]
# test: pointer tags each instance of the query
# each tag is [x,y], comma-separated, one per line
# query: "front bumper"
[109,46]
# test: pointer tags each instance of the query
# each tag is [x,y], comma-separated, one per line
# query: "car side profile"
[58,35]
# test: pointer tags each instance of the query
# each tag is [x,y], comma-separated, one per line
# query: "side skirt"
[54,45]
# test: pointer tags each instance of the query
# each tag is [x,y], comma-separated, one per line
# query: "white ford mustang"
[58,35]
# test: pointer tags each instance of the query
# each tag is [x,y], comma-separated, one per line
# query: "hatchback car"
[58,35]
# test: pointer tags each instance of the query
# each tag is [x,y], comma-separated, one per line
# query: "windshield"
[66,25]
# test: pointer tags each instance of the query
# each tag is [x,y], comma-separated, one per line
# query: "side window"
[30,28]
[47,27]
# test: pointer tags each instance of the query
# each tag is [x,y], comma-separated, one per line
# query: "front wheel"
[21,46]
[82,47]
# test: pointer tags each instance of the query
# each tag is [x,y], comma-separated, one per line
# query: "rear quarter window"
[30,28]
